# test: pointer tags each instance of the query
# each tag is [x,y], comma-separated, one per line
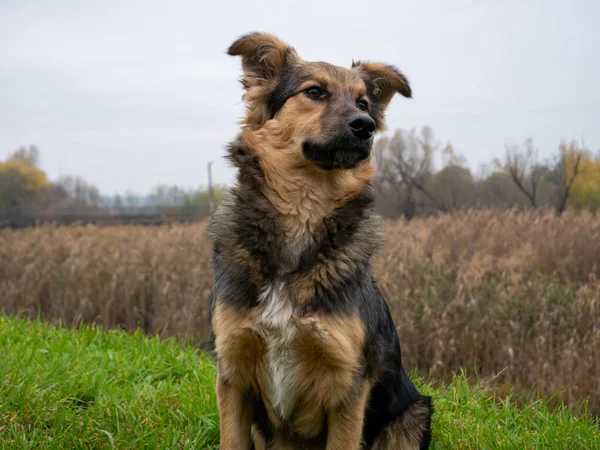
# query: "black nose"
[362,126]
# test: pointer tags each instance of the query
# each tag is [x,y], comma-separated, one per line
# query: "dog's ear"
[263,57]
[383,82]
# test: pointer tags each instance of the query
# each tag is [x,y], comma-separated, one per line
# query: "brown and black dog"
[307,354]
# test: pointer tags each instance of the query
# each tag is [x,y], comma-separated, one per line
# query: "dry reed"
[516,293]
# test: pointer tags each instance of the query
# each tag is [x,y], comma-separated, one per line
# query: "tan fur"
[235,415]
[344,426]
[239,348]
[326,355]
[406,433]
[300,192]
[329,354]
[258,439]
[346,422]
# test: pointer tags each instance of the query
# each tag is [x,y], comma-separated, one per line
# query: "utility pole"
[211,194]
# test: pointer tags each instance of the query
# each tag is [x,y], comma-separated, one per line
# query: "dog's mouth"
[336,155]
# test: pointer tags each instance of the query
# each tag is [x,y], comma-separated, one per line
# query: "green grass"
[68,389]
[71,389]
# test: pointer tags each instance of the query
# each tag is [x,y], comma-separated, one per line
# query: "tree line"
[409,184]
[26,191]
[417,175]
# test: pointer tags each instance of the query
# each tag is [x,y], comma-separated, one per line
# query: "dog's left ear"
[383,82]
[263,57]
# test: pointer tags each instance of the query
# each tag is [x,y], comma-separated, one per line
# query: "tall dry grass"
[155,278]
[516,293]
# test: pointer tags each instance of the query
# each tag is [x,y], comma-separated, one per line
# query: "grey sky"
[130,94]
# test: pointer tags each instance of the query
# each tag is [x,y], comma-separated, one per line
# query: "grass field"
[88,388]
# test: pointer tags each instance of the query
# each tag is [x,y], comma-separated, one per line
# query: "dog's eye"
[362,105]
[315,92]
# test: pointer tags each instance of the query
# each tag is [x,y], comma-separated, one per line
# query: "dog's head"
[324,115]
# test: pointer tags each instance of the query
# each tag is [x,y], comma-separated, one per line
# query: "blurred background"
[121,106]
[117,112]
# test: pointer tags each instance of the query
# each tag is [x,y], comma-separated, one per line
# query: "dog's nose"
[362,126]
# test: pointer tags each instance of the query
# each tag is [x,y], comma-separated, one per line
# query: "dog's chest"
[302,352]
[277,315]
[301,365]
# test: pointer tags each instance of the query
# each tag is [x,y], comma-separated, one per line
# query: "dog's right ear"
[263,57]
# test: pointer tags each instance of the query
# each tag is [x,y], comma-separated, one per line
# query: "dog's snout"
[362,126]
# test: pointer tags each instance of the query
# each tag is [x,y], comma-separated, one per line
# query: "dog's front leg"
[235,415]
[345,423]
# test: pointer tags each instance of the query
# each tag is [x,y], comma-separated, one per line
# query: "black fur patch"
[339,153]
[289,85]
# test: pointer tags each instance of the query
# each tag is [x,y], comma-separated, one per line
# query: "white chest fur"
[277,313]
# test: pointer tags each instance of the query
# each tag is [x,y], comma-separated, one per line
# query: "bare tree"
[79,195]
[521,164]
[405,166]
[392,172]
[565,172]
[414,161]
[498,190]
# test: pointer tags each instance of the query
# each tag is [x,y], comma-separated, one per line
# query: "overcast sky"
[130,94]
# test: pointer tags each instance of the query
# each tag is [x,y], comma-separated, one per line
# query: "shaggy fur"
[307,354]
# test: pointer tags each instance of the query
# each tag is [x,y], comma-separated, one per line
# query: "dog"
[307,354]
